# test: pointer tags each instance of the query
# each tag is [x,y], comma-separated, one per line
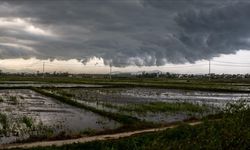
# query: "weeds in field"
[4,121]
[1,99]
[28,121]
[88,131]
[22,127]
[14,99]
[8,109]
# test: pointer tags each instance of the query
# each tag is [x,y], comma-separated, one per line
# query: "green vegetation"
[10,126]
[232,131]
[28,121]
[3,122]
[41,132]
[157,107]
[88,131]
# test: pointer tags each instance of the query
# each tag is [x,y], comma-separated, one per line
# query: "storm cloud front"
[124,32]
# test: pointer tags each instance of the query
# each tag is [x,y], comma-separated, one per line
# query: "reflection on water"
[53,114]
[96,97]
[200,97]
[142,95]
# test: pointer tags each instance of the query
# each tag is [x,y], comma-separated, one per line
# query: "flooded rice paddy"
[144,95]
[153,105]
[25,113]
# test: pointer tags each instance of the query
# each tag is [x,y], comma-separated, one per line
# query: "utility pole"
[110,71]
[209,69]
[43,68]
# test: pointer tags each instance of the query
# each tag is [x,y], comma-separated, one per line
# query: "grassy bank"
[232,131]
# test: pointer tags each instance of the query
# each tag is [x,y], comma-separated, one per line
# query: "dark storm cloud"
[124,32]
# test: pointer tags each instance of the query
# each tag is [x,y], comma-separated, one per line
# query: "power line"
[225,65]
[170,66]
[184,66]
[53,64]
[177,66]
[226,62]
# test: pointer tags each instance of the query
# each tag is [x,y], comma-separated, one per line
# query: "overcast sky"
[131,35]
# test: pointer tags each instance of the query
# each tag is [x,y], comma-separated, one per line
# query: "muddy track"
[89,139]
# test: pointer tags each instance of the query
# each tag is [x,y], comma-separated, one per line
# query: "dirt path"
[88,139]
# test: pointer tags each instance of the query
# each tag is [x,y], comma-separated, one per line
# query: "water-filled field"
[25,113]
[152,104]
[142,95]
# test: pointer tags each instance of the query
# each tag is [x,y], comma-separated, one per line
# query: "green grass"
[157,107]
[231,132]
